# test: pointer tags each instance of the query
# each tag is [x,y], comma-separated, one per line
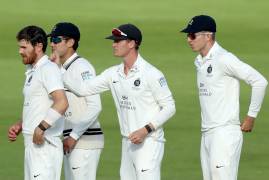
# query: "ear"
[70,42]
[209,37]
[38,47]
[131,44]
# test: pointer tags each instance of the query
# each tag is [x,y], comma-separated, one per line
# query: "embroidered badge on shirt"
[86,75]
[137,82]
[162,81]
[209,69]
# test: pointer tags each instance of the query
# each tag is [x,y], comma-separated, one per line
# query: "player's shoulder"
[83,64]
[228,58]
[225,57]
[113,69]
[81,61]
[151,70]
[48,69]
[49,65]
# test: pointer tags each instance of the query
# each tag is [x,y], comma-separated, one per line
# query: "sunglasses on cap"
[56,39]
[193,36]
[118,33]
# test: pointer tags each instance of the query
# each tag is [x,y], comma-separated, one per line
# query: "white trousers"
[220,152]
[43,162]
[142,161]
[81,164]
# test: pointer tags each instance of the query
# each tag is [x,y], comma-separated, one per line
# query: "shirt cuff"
[155,125]
[252,114]
[74,135]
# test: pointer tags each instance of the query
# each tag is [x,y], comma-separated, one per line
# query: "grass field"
[242,29]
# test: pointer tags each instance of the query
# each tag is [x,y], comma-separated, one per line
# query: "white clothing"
[42,162]
[41,80]
[81,117]
[141,97]
[218,75]
[81,164]
[220,152]
[141,161]
[81,123]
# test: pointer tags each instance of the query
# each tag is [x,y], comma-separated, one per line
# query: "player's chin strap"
[68,65]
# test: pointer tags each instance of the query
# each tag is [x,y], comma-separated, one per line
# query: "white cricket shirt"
[140,97]
[81,117]
[41,80]
[218,75]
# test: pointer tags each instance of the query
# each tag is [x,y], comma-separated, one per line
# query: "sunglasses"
[56,39]
[118,33]
[193,36]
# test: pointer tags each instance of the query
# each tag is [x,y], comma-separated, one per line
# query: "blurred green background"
[242,29]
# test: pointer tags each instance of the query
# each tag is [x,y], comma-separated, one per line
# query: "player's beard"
[29,59]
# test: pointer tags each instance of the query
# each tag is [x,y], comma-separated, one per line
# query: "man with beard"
[83,137]
[44,103]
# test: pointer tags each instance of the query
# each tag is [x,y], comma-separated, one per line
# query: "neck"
[38,57]
[66,56]
[204,51]
[129,61]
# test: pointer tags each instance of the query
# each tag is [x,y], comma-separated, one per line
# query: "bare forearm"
[60,106]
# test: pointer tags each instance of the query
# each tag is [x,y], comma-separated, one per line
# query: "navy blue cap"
[200,23]
[65,29]
[131,32]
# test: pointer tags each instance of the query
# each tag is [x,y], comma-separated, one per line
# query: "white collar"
[66,63]
[29,67]
[213,50]
[135,68]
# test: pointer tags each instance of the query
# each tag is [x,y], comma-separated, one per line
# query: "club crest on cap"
[54,28]
[66,29]
[191,21]
[200,23]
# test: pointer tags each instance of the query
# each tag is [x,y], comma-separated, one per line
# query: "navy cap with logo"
[126,31]
[66,29]
[200,23]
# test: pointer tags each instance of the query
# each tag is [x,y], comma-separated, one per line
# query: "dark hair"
[214,36]
[136,46]
[75,46]
[34,35]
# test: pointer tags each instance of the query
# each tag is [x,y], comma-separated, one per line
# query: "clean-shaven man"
[218,76]
[143,102]
[83,137]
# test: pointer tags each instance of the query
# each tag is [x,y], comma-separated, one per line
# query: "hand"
[69,144]
[248,124]
[14,131]
[38,137]
[138,136]
[54,57]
